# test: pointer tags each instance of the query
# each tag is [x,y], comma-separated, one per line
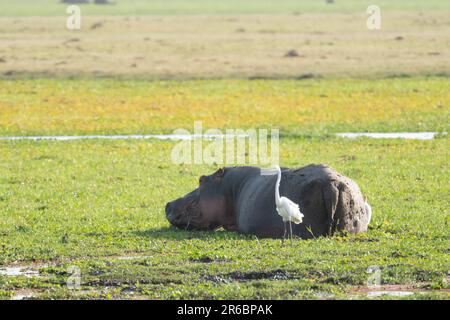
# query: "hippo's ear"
[218,175]
[201,180]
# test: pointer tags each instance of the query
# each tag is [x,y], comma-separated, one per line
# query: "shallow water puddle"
[373,294]
[124,137]
[380,135]
[18,271]
[23,295]
[392,135]
[127,258]
[324,295]
[390,290]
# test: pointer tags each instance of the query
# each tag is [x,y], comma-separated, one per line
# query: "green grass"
[163,7]
[87,203]
[99,205]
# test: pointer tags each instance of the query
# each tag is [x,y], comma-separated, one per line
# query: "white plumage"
[288,210]
[368,209]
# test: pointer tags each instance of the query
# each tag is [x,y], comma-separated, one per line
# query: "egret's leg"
[290,229]
[285,231]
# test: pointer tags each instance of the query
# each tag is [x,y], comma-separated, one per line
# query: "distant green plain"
[193,7]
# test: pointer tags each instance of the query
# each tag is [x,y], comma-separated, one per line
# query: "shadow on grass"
[178,234]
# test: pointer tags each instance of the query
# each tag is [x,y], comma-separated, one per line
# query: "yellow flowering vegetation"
[315,106]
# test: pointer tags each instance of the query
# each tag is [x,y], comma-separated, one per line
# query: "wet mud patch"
[25,294]
[269,275]
[392,135]
[131,282]
[394,290]
[241,276]
[111,282]
[20,271]
[218,279]
[208,259]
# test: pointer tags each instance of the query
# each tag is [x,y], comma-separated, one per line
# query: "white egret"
[288,210]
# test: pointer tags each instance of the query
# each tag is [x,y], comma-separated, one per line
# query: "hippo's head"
[205,208]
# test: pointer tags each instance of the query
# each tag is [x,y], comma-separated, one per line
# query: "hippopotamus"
[241,199]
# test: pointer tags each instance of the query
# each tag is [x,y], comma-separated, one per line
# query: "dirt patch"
[307,76]
[208,259]
[394,290]
[72,40]
[385,290]
[218,279]
[96,25]
[24,294]
[324,295]
[109,281]
[227,44]
[292,54]
[387,287]
[247,276]
[106,283]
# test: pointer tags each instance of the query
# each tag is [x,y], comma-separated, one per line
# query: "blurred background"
[224,39]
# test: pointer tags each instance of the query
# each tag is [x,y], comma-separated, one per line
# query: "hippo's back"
[328,200]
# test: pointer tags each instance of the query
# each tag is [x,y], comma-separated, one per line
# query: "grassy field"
[308,107]
[236,46]
[100,206]
[143,67]
[329,43]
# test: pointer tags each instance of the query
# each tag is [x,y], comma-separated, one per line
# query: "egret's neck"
[277,187]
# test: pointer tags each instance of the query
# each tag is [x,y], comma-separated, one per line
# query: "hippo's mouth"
[185,217]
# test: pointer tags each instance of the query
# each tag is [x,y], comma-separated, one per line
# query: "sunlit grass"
[86,203]
[51,107]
